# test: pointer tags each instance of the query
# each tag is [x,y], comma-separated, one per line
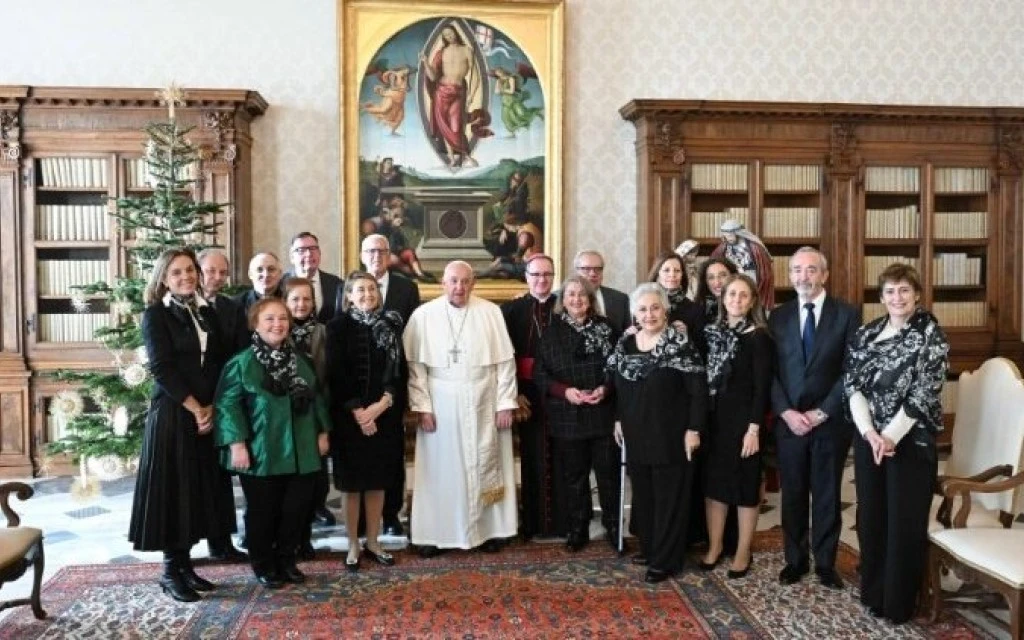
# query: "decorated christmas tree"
[113,422]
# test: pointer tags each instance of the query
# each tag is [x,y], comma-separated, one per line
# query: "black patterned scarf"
[597,336]
[711,309]
[302,334]
[723,344]
[282,368]
[385,332]
[675,298]
[674,350]
[190,303]
[905,371]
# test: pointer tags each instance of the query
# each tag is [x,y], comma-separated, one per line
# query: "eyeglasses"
[541,274]
[590,269]
[375,252]
[309,249]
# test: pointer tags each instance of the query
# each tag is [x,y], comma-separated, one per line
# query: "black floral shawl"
[723,345]
[904,371]
[674,350]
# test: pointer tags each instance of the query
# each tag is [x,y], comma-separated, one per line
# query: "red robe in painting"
[448,111]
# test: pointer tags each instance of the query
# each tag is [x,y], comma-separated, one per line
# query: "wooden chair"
[20,548]
[990,557]
[987,443]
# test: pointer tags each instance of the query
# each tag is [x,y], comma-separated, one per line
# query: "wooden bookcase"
[867,184]
[66,154]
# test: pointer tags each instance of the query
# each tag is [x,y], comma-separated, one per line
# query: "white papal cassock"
[461,369]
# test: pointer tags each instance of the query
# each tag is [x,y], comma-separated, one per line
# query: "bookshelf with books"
[937,187]
[66,154]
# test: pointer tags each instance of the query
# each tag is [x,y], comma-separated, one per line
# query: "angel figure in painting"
[390,111]
[509,85]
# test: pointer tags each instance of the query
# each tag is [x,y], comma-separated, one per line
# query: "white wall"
[876,51]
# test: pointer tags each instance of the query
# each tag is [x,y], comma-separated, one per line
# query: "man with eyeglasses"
[402,295]
[526,318]
[611,303]
[327,287]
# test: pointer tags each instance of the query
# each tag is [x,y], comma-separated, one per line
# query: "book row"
[138,174]
[875,265]
[74,172]
[961,180]
[965,224]
[72,222]
[956,269]
[70,327]
[791,222]
[719,177]
[949,314]
[706,224]
[898,222]
[893,179]
[792,177]
[57,277]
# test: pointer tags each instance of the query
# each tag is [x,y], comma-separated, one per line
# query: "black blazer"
[818,383]
[229,317]
[332,288]
[175,359]
[403,296]
[616,309]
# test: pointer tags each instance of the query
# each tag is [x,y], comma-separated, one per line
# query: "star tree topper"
[171,95]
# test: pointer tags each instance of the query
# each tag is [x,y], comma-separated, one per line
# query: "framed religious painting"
[451,119]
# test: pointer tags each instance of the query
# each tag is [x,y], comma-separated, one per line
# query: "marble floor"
[93,529]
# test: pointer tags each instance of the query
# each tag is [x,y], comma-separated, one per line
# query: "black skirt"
[181,493]
[367,463]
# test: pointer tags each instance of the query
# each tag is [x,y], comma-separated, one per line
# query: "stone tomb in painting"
[454,225]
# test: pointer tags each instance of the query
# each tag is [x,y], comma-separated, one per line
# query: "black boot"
[172,583]
[191,578]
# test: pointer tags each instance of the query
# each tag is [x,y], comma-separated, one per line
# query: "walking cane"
[622,496]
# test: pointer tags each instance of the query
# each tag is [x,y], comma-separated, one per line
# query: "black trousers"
[810,473]
[542,495]
[576,458]
[893,502]
[276,515]
[661,512]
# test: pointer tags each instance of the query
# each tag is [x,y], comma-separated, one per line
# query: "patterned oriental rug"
[527,591]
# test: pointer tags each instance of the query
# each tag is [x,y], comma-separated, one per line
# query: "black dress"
[742,401]
[181,496]
[358,374]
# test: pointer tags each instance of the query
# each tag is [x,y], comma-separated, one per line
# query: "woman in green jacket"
[272,424]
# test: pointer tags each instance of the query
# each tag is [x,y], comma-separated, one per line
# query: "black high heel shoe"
[733,574]
[710,566]
[383,558]
[352,564]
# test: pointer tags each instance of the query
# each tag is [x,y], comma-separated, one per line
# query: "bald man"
[462,383]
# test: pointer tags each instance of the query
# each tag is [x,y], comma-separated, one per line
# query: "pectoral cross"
[455,351]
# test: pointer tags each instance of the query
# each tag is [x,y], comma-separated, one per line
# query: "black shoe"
[575,541]
[352,564]
[710,566]
[172,583]
[269,580]
[290,573]
[383,557]
[306,551]
[654,576]
[429,551]
[876,612]
[791,574]
[493,545]
[829,578]
[393,527]
[195,581]
[227,553]
[733,574]
[639,559]
[324,517]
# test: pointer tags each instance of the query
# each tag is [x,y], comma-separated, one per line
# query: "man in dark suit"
[543,511]
[812,435]
[327,287]
[400,294]
[611,303]
[265,275]
[214,271]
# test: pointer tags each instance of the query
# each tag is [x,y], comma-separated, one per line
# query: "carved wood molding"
[222,123]
[1010,156]
[669,143]
[10,135]
[250,102]
[841,158]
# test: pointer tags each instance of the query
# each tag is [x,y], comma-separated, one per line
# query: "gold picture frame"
[451,121]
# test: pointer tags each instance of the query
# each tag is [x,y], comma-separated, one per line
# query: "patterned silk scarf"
[302,334]
[282,367]
[674,350]
[597,336]
[385,331]
[723,345]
